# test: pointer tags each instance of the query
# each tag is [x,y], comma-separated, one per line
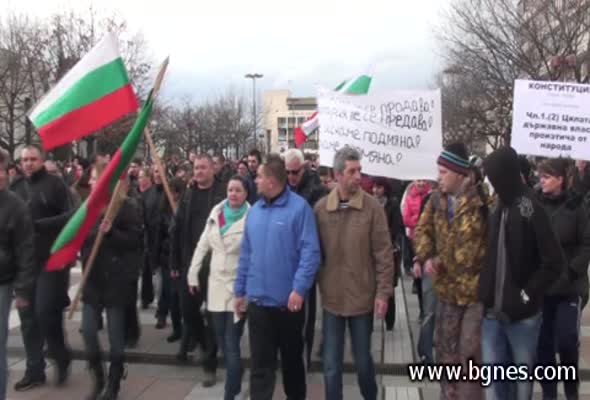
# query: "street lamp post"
[254,76]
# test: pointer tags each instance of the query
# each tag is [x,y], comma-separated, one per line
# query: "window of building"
[281,121]
[282,134]
[292,122]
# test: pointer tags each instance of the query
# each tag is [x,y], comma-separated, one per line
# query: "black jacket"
[252,189]
[395,223]
[310,187]
[581,185]
[17,262]
[118,261]
[570,223]
[51,206]
[189,222]
[534,256]
[163,245]
[151,207]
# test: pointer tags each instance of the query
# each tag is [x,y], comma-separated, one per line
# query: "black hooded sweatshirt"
[520,269]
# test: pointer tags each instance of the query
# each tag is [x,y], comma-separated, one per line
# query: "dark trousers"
[169,303]
[195,327]
[116,329]
[147,285]
[32,339]
[43,321]
[560,333]
[311,311]
[276,329]
[390,316]
[229,334]
[132,327]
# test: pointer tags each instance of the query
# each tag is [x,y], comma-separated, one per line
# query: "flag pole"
[111,213]
[152,146]
[113,208]
[161,169]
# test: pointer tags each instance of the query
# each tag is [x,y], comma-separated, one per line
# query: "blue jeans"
[116,329]
[426,338]
[509,343]
[5,302]
[228,335]
[361,328]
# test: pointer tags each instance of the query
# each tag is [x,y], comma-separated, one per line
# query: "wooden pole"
[152,146]
[112,210]
[111,213]
[161,168]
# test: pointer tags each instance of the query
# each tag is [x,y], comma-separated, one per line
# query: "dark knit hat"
[456,158]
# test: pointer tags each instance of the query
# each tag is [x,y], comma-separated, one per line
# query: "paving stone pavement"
[151,377]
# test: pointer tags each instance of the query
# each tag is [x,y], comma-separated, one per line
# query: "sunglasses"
[294,171]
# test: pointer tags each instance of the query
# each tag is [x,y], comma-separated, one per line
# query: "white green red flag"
[73,235]
[93,94]
[358,85]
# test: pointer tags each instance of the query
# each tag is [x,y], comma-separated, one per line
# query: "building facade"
[281,115]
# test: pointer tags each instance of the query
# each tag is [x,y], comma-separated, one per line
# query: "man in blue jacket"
[279,258]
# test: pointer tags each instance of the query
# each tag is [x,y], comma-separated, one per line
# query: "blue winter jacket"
[280,251]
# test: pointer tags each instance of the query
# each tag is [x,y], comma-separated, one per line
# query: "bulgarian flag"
[72,236]
[359,85]
[92,95]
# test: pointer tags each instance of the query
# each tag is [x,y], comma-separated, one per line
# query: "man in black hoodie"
[50,203]
[524,258]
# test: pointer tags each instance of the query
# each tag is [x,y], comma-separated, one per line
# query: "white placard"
[551,119]
[398,133]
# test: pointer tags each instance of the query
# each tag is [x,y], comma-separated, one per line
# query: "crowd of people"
[498,249]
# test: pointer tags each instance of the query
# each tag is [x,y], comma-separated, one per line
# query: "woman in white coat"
[222,236]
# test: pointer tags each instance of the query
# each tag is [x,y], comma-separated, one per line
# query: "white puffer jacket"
[224,260]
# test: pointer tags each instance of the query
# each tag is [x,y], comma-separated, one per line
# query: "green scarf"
[229,216]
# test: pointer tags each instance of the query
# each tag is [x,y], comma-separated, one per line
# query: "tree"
[35,54]
[490,43]
[217,125]
[21,81]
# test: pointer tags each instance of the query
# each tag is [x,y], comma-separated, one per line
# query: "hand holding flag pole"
[115,204]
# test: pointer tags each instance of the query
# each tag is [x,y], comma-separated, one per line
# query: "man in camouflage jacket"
[451,244]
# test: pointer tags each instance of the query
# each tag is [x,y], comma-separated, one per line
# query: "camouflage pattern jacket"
[459,245]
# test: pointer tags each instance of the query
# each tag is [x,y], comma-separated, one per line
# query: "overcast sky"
[295,44]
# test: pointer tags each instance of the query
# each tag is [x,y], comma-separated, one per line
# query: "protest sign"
[551,119]
[398,133]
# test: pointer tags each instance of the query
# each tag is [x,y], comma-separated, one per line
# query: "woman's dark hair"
[177,186]
[243,162]
[242,180]
[384,183]
[557,167]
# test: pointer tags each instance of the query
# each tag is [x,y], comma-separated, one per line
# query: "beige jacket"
[357,255]
[224,260]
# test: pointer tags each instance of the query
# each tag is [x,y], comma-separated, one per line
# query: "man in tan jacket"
[356,275]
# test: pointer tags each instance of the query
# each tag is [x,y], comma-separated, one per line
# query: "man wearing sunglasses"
[307,184]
